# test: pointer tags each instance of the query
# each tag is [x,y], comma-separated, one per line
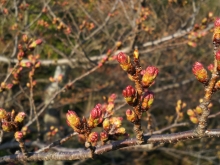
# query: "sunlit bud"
[147,101]
[3,114]
[3,85]
[198,110]
[104,136]
[204,20]
[190,112]
[7,126]
[216,34]
[112,98]
[192,44]
[130,96]
[37,65]
[106,124]
[136,54]
[95,116]
[124,61]
[210,14]
[120,131]
[116,121]
[131,116]
[118,44]
[35,43]
[217,22]
[20,117]
[51,79]
[194,119]
[109,108]
[149,75]
[25,64]
[20,55]
[217,56]
[9,86]
[200,72]
[31,73]
[25,38]
[217,84]
[211,67]
[18,136]
[73,120]
[93,138]
[15,82]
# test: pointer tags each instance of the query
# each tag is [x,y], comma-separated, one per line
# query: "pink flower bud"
[149,75]
[9,86]
[112,98]
[131,116]
[73,120]
[35,43]
[96,116]
[7,126]
[18,136]
[217,22]
[147,101]
[200,72]
[20,117]
[211,67]
[124,61]
[217,56]
[3,114]
[93,138]
[104,136]
[129,94]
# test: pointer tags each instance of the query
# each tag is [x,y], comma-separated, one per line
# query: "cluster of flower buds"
[180,105]
[18,136]
[149,75]
[198,31]
[147,100]
[11,122]
[4,86]
[100,116]
[130,95]
[216,34]
[86,25]
[194,114]
[131,116]
[200,72]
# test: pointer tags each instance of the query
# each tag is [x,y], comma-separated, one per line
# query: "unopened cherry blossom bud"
[124,61]
[217,57]
[37,65]
[18,136]
[194,119]
[93,138]
[9,86]
[25,38]
[190,112]
[95,116]
[35,43]
[216,34]
[20,117]
[149,75]
[7,126]
[112,98]
[130,95]
[116,121]
[200,72]
[217,85]
[120,131]
[3,114]
[136,54]
[104,136]
[147,101]
[20,55]
[106,124]
[211,67]
[198,110]
[73,120]
[131,116]
[109,108]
